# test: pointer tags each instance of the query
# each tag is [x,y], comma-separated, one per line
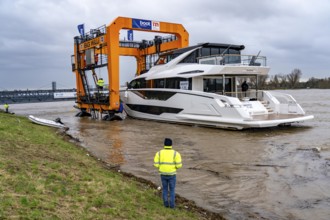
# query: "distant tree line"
[291,81]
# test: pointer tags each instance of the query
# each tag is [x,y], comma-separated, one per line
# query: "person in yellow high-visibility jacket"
[168,161]
[100,83]
[6,106]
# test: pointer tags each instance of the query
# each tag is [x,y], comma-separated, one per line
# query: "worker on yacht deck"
[245,87]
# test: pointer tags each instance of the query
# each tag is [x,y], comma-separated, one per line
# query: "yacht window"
[138,83]
[176,83]
[206,52]
[232,51]
[172,83]
[159,83]
[224,51]
[161,60]
[232,56]
[184,85]
[215,51]
[165,59]
[173,56]
[212,85]
[191,58]
[216,85]
[228,85]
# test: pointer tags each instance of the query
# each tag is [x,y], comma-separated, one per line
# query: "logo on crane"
[156,25]
[146,24]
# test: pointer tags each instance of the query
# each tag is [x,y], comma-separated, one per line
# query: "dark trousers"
[168,182]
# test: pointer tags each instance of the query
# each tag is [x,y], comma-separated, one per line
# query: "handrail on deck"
[233,59]
[251,94]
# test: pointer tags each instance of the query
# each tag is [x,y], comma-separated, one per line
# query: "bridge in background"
[32,96]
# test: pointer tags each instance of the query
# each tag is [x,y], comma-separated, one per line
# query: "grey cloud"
[36,37]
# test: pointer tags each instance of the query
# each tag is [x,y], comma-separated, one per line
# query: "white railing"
[233,59]
[279,103]
[251,94]
[282,103]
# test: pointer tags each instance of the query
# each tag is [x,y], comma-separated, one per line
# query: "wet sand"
[260,173]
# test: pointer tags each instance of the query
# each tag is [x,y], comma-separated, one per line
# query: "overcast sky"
[36,36]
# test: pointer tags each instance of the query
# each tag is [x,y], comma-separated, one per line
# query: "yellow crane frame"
[109,42]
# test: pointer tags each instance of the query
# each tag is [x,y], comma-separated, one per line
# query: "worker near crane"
[96,58]
[6,106]
[100,83]
[168,161]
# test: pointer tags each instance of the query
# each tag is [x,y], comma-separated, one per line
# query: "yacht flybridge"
[202,85]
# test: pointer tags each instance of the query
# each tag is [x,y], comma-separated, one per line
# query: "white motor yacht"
[202,85]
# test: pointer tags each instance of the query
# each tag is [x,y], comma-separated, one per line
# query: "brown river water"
[250,174]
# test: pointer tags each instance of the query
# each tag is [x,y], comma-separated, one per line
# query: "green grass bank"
[45,176]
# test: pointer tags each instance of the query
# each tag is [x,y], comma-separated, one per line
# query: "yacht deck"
[275,117]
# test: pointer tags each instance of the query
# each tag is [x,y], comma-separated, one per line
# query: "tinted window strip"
[154,110]
[162,95]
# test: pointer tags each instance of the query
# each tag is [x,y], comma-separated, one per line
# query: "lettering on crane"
[145,24]
[92,43]
[156,25]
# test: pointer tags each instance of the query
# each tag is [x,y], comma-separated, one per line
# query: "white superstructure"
[202,85]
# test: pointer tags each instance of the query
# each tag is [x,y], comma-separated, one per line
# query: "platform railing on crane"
[101,47]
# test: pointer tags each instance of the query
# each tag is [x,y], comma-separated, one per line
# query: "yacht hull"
[200,108]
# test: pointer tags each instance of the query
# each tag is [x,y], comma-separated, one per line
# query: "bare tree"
[253,82]
[294,77]
[262,81]
[283,80]
[274,82]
